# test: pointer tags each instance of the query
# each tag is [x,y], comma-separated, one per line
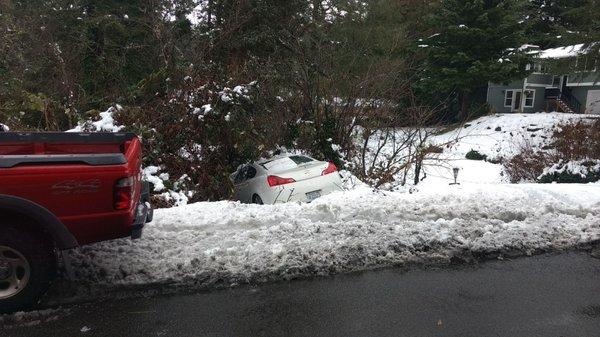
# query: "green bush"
[475,155]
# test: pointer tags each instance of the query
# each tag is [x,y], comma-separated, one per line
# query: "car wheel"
[27,267]
[257,200]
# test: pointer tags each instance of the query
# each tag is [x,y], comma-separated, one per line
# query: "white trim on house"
[532,99]
[523,103]
[512,98]
[583,84]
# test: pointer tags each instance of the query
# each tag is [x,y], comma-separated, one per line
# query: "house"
[575,88]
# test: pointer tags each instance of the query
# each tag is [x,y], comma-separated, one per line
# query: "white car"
[285,178]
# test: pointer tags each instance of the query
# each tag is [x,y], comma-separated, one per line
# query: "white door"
[593,102]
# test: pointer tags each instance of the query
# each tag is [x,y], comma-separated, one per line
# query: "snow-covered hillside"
[496,136]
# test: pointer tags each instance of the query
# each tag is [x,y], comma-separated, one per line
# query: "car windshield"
[285,163]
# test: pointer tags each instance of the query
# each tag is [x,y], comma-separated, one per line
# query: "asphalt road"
[549,295]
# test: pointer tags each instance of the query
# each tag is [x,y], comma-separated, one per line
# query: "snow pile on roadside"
[225,243]
[32,318]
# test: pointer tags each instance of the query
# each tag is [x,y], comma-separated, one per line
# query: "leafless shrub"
[577,141]
[528,165]
[570,142]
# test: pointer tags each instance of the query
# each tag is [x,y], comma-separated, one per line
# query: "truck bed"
[73,175]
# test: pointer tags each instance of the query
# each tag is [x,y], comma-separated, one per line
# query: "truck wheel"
[27,267]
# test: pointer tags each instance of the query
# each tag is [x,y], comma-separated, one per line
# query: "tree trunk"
[209,13]
[464,100]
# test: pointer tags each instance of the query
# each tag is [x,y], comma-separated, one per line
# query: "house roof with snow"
[564,52]
[559,52]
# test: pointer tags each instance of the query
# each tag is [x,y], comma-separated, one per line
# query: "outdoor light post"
[455,171]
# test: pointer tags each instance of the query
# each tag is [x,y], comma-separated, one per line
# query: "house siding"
[540,100]
[581,93]
[579,84]
[542,79]
[497,92]
[496,96]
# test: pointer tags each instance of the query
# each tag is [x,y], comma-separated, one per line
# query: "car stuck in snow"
[285,178]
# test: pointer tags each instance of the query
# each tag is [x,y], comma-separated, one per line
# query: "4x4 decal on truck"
[76,187]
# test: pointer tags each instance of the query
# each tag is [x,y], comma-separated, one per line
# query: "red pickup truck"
[59,191]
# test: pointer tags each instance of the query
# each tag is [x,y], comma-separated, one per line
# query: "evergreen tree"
[551,23]
[476,42]
[585,22]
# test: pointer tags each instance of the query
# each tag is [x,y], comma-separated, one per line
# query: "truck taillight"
[330,169]
[124,193]
[276,181]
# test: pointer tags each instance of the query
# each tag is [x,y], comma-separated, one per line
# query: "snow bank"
[32,318]
[226,243]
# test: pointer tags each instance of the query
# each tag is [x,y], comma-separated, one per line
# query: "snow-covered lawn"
[225,243]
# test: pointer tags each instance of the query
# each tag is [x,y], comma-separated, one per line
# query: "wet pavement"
[546,295]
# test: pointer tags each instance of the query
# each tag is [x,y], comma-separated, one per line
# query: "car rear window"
[285,163]
[279,164]
[299,160]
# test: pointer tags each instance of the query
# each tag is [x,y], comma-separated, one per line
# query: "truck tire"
[27,267]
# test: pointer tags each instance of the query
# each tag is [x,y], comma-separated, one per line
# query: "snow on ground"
[226,243]
[503,135]
[32,318]
[496,136]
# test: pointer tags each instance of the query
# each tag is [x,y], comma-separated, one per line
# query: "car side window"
[240,176]
[250,172]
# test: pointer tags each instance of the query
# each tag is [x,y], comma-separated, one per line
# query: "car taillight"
[124,193]
[276,181]
[330,169]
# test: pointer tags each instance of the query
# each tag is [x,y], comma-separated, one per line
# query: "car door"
[247,187]
[239,183]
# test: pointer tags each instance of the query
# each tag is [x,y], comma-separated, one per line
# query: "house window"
[582,63]
[529,98]
[508,98]
[536,68]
